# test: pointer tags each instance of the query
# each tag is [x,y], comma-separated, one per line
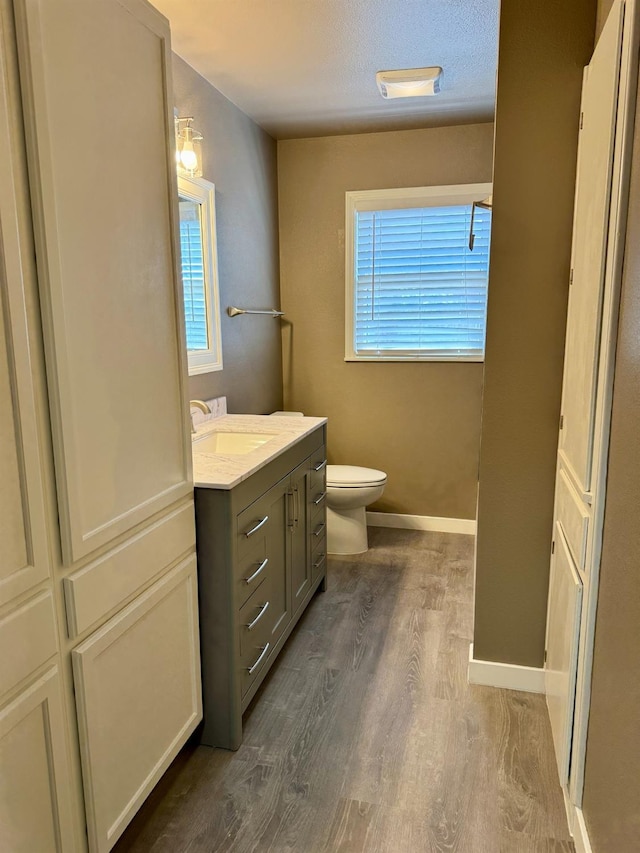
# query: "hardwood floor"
[366,735]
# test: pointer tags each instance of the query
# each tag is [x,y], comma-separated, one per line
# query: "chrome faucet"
[198,404]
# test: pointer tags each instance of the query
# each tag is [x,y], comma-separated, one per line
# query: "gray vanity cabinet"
[261,557]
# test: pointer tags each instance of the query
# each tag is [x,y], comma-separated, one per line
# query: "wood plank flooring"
[366,735]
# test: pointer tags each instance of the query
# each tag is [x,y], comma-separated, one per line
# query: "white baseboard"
[579,832]
[577,826]
[507,675]
[422,522]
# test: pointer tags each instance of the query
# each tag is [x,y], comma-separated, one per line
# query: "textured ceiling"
[307,67]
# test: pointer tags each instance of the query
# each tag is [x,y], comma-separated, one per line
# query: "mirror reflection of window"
[195,298]
[199,266]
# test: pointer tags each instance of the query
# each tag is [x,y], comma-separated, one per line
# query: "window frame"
[202,192]
[396,199]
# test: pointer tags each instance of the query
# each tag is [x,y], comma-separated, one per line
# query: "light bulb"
[188,156]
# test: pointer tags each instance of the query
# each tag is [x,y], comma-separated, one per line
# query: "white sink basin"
[234,443]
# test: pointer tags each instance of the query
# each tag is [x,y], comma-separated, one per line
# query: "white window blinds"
[419,292]
[195,301]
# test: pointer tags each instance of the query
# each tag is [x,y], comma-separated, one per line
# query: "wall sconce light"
[188,141]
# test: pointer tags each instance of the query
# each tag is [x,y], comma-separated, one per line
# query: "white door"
[36,788]
[142,665]
[99,125]
[602,176]
[590,232]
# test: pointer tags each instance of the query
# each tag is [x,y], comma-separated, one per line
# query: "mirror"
[199,267]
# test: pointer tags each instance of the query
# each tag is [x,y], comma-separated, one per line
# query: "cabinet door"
[99,130]
[280,509]
[35,803]
[299,554]
[138,699]
[24,560]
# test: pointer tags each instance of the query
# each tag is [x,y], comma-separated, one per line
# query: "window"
[414,290]
[200,274]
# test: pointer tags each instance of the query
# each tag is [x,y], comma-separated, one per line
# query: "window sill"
[427,359]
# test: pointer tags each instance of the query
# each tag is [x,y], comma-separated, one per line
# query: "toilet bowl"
[350,489]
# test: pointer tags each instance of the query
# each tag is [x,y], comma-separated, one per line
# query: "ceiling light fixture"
[409,82]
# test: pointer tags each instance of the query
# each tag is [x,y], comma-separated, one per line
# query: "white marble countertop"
[226,470]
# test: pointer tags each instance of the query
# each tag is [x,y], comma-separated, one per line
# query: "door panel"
[29,635]
[24,561]
[593,189]
[98,131]
[299,537]
[35,807]
[563,628]
[138,698]
[573,516]
[280,508]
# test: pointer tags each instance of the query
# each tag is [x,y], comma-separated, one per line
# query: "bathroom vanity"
[261,542]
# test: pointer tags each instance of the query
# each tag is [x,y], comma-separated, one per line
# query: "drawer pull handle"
[319,562]
[251,625]
[257,526]
[320,465]
[318,530]
[261,568]
[264,650]
[320,498]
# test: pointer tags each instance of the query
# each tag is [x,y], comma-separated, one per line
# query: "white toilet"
[350,489]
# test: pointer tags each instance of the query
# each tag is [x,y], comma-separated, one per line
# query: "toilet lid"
[352,475]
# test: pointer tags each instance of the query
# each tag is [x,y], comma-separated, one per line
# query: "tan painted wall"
[604,7]
[418,422]
[612,776]
[542,50]
[240,159]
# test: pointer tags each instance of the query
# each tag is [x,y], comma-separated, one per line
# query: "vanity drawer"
[250,570]
[317,510]
[255,622]
[317,504]
[319,558]
[318,467]
[253,525]
[318,533]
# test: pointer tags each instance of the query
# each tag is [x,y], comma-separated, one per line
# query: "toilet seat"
[353,476]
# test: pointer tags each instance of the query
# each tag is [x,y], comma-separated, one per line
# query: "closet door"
[590,232]
[99,125]
[590,341]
